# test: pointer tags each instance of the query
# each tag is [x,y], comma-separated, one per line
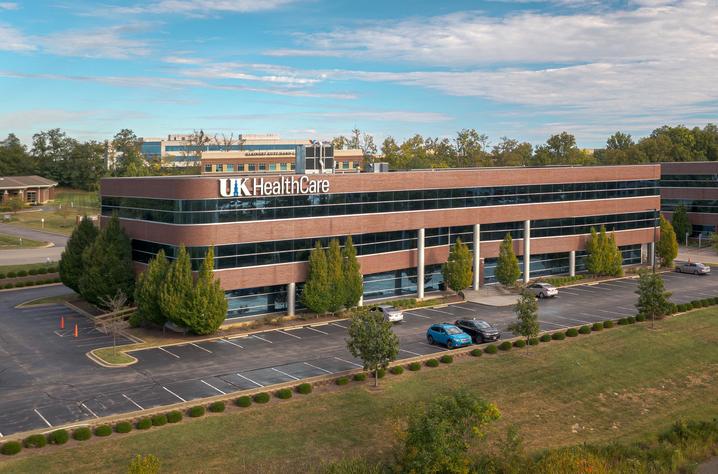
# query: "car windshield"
[452,330]
[482,324]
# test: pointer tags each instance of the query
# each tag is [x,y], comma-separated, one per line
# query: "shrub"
[584,330]
[243,401]
[123,427]
[505,346]
[261,398]
[597,327]
[545,338]
[380,373]
[534,341]
[342,381]
[283,393]
[476,352]
[32,271]
[397,370]
[144,424]
[631,320]
[623,321]
[42,271]
[35,441]
[19,284]
[217,407]
[159,420]
[11,274]
[607,324]
[2,275]
[558,336]
[58,437]
[196,411]
[491,349]
[304,388]
[82,434]
[432,363]
[103,430]
[640,318]
[520,343]
[571,332]
[446,359]
[360,377]
[414,366]
[11,448]
[7,286]
[52,269]
[22,273]
[694,304]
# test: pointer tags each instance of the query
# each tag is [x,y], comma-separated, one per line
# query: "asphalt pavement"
[32,255]
[46,379]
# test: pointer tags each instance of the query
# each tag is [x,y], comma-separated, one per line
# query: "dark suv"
[479,330]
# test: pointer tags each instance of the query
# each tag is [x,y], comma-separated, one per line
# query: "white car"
[543,290]
[694,268]
[391,314]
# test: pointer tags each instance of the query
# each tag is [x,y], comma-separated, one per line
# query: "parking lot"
[46,380]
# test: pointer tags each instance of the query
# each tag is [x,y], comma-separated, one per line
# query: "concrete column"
[572,263]
[291,293]
[420,264]
[651,253]
[527,251]
[361,301]
[477,256]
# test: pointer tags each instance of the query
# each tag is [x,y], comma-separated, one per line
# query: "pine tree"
[176,291]
[337,287]
[209,305]
[681,224]
[594,262]
[457,271]
[507,265]
[107,265]
[316,287]
[147,290]
[353,279]
[614,265]
[667,247]
[604,257]
[652,297]
[71,266]
[526,324]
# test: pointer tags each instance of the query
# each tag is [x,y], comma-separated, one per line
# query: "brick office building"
[31,189]
[695,185]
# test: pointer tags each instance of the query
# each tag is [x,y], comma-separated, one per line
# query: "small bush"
[51,269]
[584,330]
[432,363]
[42,271]
[32,271]
[534,341]
[283,393]
[380,373]
[243,401]
[196,412]
[505,346]
[261,397]
[342,381]
[640,318]
[414,366]
[144,424]
[597,327]
[123,427]
[217,407]
[19,284]
[520,343]
[7,286]
[22,273]
[623,321]
[2,275]
[694,304]
[545,338]
[397,370]
[35,441]
[446,359]
[571,332]
[58,437]
[360,377]
[476,352]
[631,320]
[304,388]
[558,336]
[491,349]
[11,448]
[103,430]
[82,434]
[159,420]
[11,274]
[608,324]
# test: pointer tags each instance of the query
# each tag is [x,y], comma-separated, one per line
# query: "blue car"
[447,335]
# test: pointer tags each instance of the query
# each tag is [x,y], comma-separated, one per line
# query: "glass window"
[272,167]
[283,167]
[218,167]
[230,167]
[251,166]
[208,168]
[262,167]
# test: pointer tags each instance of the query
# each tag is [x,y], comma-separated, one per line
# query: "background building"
[31,189]
[695,185]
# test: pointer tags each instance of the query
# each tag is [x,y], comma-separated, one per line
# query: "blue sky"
[318,68]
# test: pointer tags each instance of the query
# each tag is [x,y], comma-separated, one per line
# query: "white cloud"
[9,6]
[105,43]
[13,40]
[202,8]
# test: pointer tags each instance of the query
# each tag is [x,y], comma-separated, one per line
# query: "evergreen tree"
[457,271]
[614,260]
[316,287]
[526,310]
[667,246]
[176,291]
[652,297]
[337,286]
[594,258]
[147,290]
[71,266]
[604,257]
[680,222]
[353,278]
[209,305]
[372,340]
[107,265]
[507,266]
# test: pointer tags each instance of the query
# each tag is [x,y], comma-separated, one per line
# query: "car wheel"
[449,344]
[695,272]
[430,339]
[541,296]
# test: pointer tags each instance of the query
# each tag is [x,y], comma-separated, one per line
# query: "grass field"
[61,214]
[622,384]
[14,242]
[25,266]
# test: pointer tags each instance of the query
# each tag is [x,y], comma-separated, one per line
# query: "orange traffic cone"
[62,322]
[75,333]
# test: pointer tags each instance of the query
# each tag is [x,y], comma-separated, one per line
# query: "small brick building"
[32,189]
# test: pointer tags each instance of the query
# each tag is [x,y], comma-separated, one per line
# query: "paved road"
[46,380]
[35,255]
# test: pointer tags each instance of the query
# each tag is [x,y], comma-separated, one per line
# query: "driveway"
[35,255]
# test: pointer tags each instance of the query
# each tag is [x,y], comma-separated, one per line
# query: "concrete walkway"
[492,295]
[693,254]
[34,255]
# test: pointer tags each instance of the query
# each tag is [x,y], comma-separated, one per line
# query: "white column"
[527,251]
[361,301]
[420,264]
[477,256]
[651,253]
[291,292]
[572,263]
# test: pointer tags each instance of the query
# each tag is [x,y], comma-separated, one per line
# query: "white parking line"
[170,391]
[571,319]
[261,338]
[212,386]
[318,368]
[590,315]
[133,402]
[287,333]
[233,343]
[554,324]
[417,315]
[462,308]
[433,345]
[616,285]
[627,309]
[250,380]
[409,352]
[43,418]
[170,353]
[349,362]
[91,412]
[570,293]
[580,288]
[200,347]
[439,311]
[613,312]
[599,286]
[337,324]
[284,373]
[316,330]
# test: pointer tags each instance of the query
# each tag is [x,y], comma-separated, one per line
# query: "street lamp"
[655,229]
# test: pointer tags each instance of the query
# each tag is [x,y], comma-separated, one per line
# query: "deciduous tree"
[71,264]
[507,265]
[372,340]
[526,310]
[681,225]
[458,270]
[652,297]
[337,284]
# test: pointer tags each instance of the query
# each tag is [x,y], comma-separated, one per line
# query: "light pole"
[655,230]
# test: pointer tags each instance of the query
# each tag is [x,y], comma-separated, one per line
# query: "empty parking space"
[302,370]
[267,376]
[242,382]
[151,396]
[105,405]
[62,413]
[189,351]
[191,389]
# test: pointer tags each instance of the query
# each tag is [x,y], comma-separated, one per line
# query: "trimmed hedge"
[519,343]
[243,401]
[174,416]
[103,430]
[11,448]
[262,397]
[571,332]
[545,338]
[640,318]
[491,349]
[432,363]
[623,321]
[283,393]
[144,424]
[476,352]
[381,373]
[58,437]
[558,336]
[216,407]
[414,366]
[159,420]
[597,327]
[360,377]
[584,330]
[608,324]
[35,441]
[342,381]
[505,346]
[397,370]
[123,427]
[82,434]
[11,274]
[534,341]
[22,273]
[631,320]
[196,412]
[446,359]
[304,388]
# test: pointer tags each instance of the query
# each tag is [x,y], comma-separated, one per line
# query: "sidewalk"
[492,295]
[693,254]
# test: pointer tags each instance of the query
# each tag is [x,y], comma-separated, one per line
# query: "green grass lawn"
[14,242]
[78,198]
[25,266]
[622,384]
[60,222]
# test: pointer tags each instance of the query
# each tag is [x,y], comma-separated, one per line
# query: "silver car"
[391,314]
[694,268]
[542,290]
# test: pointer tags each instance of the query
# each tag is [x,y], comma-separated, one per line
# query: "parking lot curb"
[97,360]
[30,287]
